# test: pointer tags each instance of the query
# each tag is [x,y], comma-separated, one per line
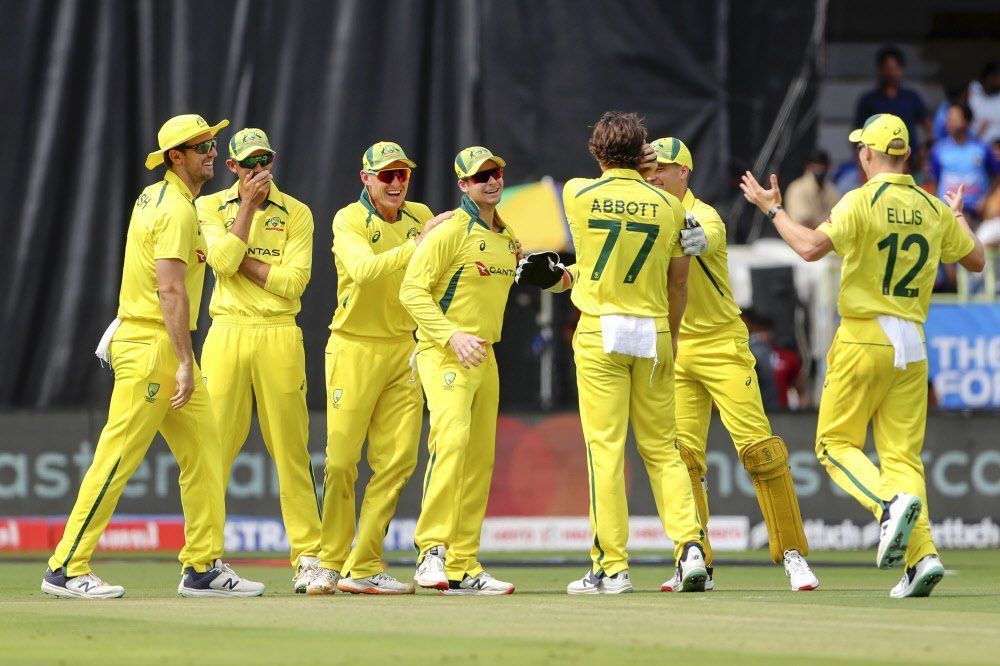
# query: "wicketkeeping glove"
[693,239]
[542,269]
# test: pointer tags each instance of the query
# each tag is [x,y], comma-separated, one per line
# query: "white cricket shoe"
[219,581]
[324,581]
[799,574]
[620,583]
[483,584]
[919,581]
[898,519]
[380,583]
[305,573]
[430,572]
[691,568]
[674,583]
[87,586]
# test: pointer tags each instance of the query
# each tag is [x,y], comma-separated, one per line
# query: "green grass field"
[751,618]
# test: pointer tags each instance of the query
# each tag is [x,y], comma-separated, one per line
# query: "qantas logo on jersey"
[201,256]
[251,251]
[485,271]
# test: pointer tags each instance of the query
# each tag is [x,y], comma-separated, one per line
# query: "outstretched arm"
[809,244]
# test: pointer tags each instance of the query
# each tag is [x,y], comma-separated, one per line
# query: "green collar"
[366,201]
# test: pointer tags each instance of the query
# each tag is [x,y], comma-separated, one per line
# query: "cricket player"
[891,235]
[260,246]
[158,386]
[371,389]
[629,283]
[456,289]
[714,365]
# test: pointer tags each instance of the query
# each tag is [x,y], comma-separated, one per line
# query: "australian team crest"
[151,392]
[337,395]
[449,379]
[274,224]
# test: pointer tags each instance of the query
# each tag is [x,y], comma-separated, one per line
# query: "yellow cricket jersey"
[281,235]
[710,303]
[164,225]
[625,231]
[459,278]
[371,256]
[892,235]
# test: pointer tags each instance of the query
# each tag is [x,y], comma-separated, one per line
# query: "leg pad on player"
[766,460]
[696,470]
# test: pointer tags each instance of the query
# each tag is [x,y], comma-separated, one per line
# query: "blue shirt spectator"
[960,159]
[891,97]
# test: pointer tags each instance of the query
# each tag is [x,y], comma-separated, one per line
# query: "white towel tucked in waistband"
[905,338]
[103,350]
[633,336]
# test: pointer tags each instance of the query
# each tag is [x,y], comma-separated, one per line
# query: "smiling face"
[198,167]
[487,193]
[387,195]
[672,178]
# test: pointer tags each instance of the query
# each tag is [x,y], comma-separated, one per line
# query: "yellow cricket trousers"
[717,367]
[262,359]
[862,385]
[372,391]
[145,366]
[615,389]
[463,411]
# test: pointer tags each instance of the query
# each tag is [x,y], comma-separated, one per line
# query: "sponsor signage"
[963,350]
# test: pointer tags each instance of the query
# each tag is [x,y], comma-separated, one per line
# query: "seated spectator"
[984,100]
[891,97]
[961,160]
[810,197]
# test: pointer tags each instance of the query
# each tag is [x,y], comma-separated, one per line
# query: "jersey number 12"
[891,243]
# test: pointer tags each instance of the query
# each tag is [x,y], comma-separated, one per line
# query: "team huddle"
[420,304]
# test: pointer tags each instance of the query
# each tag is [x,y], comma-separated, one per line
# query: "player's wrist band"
[774,211]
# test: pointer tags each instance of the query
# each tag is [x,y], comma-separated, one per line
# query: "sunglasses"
[388,175]
[484,176]
[262,160]
[203,148]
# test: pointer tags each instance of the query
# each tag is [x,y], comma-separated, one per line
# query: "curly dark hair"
[618,139]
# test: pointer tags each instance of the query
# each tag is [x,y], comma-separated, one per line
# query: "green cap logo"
[449,378]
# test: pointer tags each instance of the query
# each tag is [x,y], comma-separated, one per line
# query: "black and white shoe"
[919,580]
[219,581]
[483,584]
[898,519]
[87,586]
[691,568]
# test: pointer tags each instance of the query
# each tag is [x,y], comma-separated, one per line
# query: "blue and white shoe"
[87,586]
[219,581]
[898,519]
[919,580]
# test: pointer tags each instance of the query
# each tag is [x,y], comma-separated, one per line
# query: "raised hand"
[254,188]
[647,165]
[954,200]
[765,200]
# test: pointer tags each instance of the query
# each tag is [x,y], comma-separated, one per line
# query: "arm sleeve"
[351,246]
[955,243]
[289,279]
[843,227]
[172,236]
[435,254]
[225,250]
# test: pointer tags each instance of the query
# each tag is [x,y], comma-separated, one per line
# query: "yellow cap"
[881,129]
[247,141]
[672,151]
[383,153]
[178,131]
[470,159]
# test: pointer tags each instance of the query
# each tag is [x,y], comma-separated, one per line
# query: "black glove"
[541,269]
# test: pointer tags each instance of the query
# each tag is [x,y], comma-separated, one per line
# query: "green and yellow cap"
[382,154]
[672,151]
[247,141]
[178,131]
[470,159]
[879,131]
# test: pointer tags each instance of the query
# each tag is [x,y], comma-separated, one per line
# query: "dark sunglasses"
[203,148]
[388,175]
[262,160]
[484,176]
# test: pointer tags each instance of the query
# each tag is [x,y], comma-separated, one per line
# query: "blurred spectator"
[810,197]
[984,99]
[891,97]
[762,347]
[791,388]
[960,159]
[989,230]
[952,94]
[849,175]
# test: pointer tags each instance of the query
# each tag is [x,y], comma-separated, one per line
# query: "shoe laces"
[383,577]
[306,568]
[91,578]
[795,563]
[325,576]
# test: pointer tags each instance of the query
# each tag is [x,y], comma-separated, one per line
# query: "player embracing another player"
[629,284]
[891,235]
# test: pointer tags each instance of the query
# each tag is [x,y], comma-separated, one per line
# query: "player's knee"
[693,460]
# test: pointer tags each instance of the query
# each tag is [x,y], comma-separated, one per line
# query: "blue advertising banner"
[963,349]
